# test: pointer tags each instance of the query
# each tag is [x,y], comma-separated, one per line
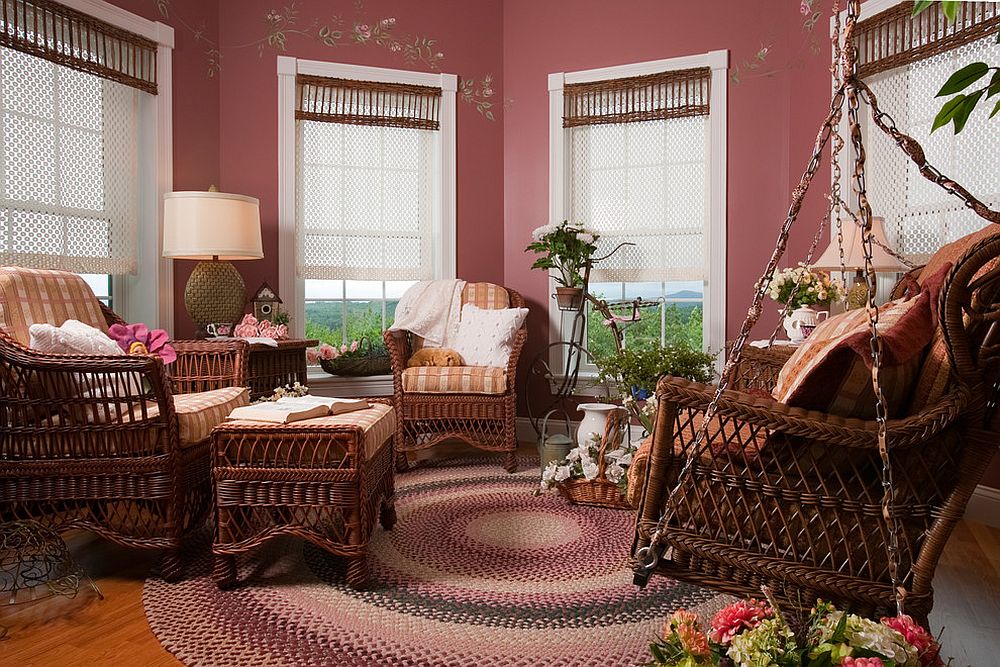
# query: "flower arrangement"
[582,463]
[140,339]
[565,248]
[358,358]
[289,390]
[325,351]
[634,373]
[250,327]
[814,287]
[752,633]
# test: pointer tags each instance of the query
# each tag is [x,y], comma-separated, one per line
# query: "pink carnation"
[737,617]
[862,662]
[928,650]
[354,346]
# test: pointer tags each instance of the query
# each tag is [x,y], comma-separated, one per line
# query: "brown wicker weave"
[304,479]
[804,515]
[127,477]
[271,367]
[600,491]
[486,421]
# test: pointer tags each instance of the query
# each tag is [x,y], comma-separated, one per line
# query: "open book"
[296,408]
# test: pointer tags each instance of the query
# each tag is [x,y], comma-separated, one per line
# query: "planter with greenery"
[566,248]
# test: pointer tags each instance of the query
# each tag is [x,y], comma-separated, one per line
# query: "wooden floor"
[113,631]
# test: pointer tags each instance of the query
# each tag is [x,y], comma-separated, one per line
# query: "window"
[85,144]
[367,192]
[639,158]
[920,216]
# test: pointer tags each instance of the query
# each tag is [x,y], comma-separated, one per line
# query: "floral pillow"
[485,337]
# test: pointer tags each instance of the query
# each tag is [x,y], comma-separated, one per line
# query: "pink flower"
[281,332]
[685,624]
[312,355]
[862,662]
[354,346]
[737,617]
[138,339]
[344,348]
[247,328]
[928,650]
[805,6]
[328,352]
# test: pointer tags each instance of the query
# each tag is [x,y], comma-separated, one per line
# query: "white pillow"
[485,337]
[73,337]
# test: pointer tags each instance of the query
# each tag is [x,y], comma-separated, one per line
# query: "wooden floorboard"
[113,631]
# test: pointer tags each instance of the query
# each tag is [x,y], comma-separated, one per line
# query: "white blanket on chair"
[430,309]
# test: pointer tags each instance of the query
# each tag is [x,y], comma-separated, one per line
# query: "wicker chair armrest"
[397,343]
[833,429]
[203,365]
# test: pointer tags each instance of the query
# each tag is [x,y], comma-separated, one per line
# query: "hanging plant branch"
[478,94]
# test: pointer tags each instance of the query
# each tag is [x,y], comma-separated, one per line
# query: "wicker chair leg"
[402,463]
[510,462]
[357,573]
[387,514]
[224,571]
[171,566]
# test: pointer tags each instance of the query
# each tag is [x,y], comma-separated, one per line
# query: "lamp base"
[215,294]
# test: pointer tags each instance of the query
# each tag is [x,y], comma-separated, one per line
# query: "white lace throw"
[430,309]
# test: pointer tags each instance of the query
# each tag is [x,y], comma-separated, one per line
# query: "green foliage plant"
[564,247]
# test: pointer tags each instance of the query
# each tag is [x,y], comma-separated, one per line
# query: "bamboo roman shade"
[366,176]
[355,102]
[52,31]
[895,38]
[673,94]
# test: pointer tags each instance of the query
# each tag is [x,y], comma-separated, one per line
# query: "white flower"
[586,237]
[614,473]
[625,460]
[574,455]
[548,474]
[542,231]
[589,469]
[562,473]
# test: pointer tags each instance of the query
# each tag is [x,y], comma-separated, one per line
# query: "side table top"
[286,344]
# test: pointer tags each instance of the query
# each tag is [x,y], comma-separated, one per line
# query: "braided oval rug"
[477,571]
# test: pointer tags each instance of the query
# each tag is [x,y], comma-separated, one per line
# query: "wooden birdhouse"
[265,303]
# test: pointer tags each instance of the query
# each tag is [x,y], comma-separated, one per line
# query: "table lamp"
[214,227]
[854,258]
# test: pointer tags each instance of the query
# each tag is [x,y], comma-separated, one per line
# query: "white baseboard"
[984,506]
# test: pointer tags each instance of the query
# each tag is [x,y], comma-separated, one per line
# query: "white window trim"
[288,68]
[149,295]
[718,61]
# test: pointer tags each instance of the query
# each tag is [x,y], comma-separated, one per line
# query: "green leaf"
[947,111]
[996,110]
[994,86]
[950,9]
[963,78]
[967,107]
[920,6]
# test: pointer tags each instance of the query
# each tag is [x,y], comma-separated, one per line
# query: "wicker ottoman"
[325,480]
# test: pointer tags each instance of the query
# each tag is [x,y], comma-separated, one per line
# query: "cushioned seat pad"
[455,380]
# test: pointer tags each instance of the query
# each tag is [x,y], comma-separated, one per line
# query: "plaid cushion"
[455,380]
[485,295]
[831,370]
[36,296]
[376,424]
[199,413]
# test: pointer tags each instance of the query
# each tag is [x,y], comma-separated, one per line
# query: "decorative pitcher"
[595,418]
[801,322]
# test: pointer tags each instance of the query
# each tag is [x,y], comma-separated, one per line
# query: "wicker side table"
[325,480]
[269,367]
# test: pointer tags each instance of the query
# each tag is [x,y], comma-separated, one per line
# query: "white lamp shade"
[208,225]
[854,252]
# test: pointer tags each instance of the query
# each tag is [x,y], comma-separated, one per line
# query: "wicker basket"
[600,491]
[371,361]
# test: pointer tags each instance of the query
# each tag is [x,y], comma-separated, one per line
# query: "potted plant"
[566,248]
[800,289]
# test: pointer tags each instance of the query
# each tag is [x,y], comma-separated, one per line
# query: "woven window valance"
[67,37]
[674,94]
[895,38]
[367,103]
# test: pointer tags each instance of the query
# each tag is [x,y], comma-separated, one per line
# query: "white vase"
[801,322]
[595,418]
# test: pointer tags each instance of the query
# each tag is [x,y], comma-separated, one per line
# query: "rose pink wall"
[467,33]
[195,111]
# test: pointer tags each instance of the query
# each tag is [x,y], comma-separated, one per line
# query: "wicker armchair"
[112,444]
[792,498]
[475,404]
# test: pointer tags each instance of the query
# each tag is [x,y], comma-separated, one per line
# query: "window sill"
[323,384]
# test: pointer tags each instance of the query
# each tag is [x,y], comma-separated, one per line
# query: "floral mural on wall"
[760,64]
[280,25]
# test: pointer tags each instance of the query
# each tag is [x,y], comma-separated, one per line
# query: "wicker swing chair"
[743,491]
